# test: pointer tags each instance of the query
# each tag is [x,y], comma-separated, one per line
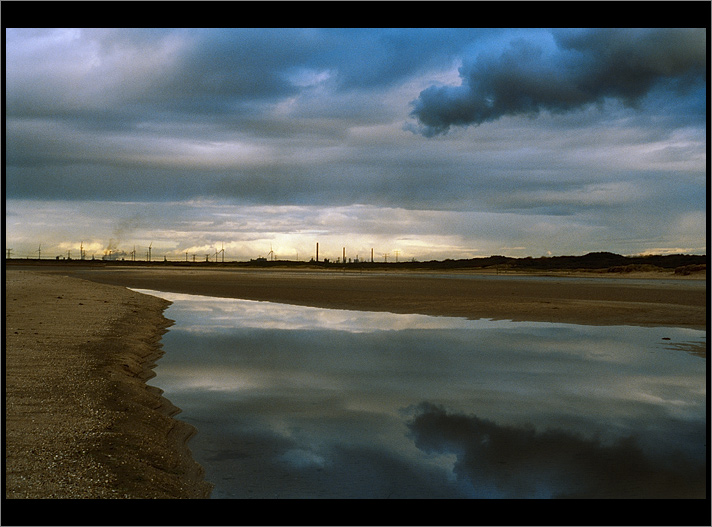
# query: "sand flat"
[678,303]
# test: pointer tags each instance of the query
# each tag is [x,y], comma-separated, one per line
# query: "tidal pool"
[300,402]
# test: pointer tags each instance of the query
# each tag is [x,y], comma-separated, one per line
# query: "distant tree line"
[591,261]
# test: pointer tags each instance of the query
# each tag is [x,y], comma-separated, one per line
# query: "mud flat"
[81,422]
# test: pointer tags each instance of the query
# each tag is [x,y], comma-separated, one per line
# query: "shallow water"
[300,402]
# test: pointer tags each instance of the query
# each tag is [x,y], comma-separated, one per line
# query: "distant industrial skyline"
[432,143]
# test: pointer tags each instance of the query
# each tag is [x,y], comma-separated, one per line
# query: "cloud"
[520,462]
[314,118]
[575,69]
[121,74]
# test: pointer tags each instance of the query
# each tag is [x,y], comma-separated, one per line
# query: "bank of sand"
[575,299]
[81,421]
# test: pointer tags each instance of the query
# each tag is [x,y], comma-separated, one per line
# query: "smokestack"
[371,254]
[343,259]
[317,251]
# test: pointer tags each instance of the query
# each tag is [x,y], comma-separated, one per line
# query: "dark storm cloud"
[522,462]
[144,74]
[577,68]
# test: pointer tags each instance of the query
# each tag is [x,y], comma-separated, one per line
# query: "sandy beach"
[81,422]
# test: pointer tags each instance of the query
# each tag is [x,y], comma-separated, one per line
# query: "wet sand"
[575,299]
[82,423]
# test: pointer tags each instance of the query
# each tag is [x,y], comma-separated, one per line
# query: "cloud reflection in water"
[303,402]
[520,462]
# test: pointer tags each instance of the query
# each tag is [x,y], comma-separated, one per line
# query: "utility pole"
[397,253]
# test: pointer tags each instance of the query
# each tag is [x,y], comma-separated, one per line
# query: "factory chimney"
[317,252]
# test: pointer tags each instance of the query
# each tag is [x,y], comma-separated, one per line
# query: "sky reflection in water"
[299,402]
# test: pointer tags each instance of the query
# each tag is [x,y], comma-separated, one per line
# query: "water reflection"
[519,461]
[300,402]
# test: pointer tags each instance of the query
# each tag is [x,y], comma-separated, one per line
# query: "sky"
[418,143]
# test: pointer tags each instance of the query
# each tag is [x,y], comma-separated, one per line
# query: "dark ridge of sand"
[81,422]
